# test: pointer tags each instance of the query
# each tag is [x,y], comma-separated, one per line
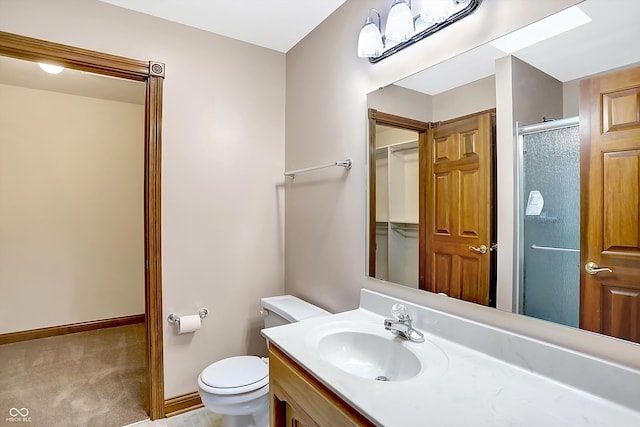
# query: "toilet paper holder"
[175,319]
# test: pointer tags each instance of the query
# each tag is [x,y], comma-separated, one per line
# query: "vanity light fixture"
[51,69]
[402,29]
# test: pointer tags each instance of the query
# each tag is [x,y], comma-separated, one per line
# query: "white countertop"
[457,386]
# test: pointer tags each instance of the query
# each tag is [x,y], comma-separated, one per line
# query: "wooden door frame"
[152,74]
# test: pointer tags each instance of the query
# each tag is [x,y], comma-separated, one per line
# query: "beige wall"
[71,217]
[326,223]
[222,165]
[394,99]
[467,99]
[526,95]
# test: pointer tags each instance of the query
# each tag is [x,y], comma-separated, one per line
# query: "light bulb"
[399,22]
[436,11]
[51,69]
[370,40]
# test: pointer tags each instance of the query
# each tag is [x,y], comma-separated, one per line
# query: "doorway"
[549,220]
[152,74]
[432,204]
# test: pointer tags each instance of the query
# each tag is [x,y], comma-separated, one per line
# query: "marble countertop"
[457,386]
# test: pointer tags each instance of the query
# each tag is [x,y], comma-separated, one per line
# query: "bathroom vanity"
[297,398]
[346,369]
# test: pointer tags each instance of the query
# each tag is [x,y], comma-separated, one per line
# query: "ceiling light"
[51,69]
[403,29]
[546,28]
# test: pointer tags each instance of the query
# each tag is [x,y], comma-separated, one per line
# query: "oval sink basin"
[369,356]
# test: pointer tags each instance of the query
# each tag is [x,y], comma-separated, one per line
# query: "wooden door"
[458,208]
[610,207]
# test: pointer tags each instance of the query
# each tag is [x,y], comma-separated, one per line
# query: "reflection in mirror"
[537,85]
[396,196]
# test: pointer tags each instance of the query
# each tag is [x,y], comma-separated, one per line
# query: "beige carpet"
[95,378]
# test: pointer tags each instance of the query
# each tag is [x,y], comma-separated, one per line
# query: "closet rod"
[344,163]
[411,227]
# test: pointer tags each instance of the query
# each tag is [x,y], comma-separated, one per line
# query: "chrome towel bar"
[550,248]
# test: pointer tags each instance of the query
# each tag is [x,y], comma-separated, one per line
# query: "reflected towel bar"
[344,163]
[549,248]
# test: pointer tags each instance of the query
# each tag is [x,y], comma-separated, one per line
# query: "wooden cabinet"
[297,399]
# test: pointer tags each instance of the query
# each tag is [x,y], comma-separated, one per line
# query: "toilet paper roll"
[189,324]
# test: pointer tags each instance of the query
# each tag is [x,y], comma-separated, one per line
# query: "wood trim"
[27,48]
[72,328]
[180,404]
[387,119]
[372,193]
[153,300]
[31,49]
[423,155]
[468,116]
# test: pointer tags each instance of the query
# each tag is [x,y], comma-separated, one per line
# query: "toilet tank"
[284,309]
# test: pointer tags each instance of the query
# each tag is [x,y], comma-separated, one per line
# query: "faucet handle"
[400,312]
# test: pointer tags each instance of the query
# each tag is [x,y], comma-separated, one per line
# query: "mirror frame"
[152,74]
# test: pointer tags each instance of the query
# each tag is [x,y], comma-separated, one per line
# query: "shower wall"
[551,226]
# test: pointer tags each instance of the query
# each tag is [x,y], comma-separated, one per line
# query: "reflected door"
[610,205]
[551,223]
[458,208]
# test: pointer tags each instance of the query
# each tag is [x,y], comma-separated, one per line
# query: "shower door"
[549,226]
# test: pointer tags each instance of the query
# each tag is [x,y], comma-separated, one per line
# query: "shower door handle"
[481,250]
[593,268]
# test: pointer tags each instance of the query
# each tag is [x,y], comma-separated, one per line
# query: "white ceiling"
[274,24]
[613,34]
[607,42]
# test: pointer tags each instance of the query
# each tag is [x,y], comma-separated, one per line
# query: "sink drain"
[382,378]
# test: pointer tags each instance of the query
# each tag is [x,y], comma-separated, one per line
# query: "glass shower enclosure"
[548,235]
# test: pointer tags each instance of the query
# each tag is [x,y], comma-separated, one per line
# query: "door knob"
[592,268]
[481,250]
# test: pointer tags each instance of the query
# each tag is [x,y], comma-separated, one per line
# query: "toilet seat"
[235,375]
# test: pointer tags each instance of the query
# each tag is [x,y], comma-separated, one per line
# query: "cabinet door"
[298,399]
[295,419]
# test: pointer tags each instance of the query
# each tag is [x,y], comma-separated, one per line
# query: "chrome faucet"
[401,324]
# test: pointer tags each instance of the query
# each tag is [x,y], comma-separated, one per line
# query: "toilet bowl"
[238,387]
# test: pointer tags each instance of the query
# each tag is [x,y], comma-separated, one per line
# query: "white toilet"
[238,387]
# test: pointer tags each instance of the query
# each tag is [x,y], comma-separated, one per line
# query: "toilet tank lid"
[291,308]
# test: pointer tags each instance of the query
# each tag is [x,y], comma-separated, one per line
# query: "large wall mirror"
[433,192]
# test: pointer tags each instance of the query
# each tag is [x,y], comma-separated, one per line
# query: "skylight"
[548,27]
